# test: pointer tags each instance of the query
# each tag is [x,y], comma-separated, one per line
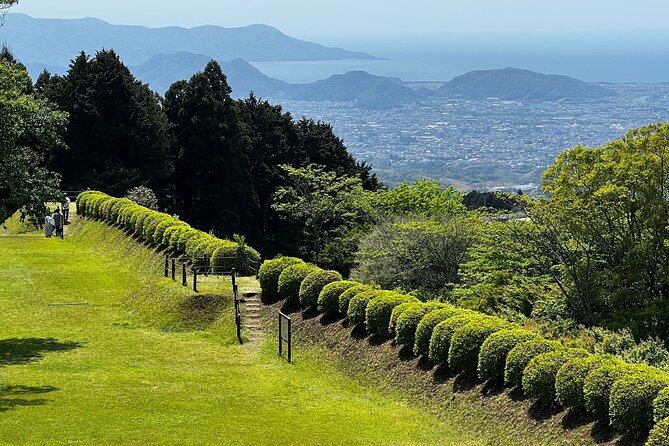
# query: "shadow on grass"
[541,411]
[442,374]
[330,318]
[465,382]
[359,332]
[517,394]
[310,313]
[493,387]
[12,397]
[378,339]
[17,351]
[406,353]
[290,307]
[424,363]
[575,418]
[199,311]
[602,432]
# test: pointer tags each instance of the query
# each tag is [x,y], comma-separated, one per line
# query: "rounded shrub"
[463,353]
[492,356]
[659,435]
[115,210]
[379,309]
[632,396]
[661,405]
[169,232]
[597,387]
[440,342]
[522,354]
[269,273]
[407,322]
[570,379]
[397,312]
[225,254]
[426,325]
[179,239]
[291,278]
[150,224]
[357,307]
[313,284]
[539,375]
[139,222]
[158,234]
[346,296]
[328,299]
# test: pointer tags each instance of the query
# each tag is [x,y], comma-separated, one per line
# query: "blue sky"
[349,20]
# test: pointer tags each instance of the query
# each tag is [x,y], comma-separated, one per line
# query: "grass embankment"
[143,361]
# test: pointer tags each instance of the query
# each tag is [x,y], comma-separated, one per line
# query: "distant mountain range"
[56,41]
[515,84]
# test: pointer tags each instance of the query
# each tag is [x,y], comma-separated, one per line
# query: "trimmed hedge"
[328,299]
[597,388]
[162,230]
[570,379]
[357,307]
[632,396]
[440,342]
[463,353]
[407,322]
[346,296]
[426,325]
[493,353]
[291,279]
[539,375]
[659,436]
[661,405]
[379,309]
[269,272]
[397,312]
[521,355]
[313,284]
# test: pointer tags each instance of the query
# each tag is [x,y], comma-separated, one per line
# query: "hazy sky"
[345,20]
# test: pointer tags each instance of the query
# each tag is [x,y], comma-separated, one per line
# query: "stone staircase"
[251,318]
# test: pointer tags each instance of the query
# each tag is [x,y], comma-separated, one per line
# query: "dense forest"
[588,262]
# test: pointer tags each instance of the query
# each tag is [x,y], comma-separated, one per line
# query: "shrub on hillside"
[139,222]
[539,375]
[494,350]
[661,405]
[269,273]
[166,222]
[313,284]
[143,196]
[291,278]
[397,312]
[328,299]
[659,435]
[116,208]
[379,309]
[185,236]
[169,232]
[407,322]
[632,396]
[426,325]
[346,296]
[597,387]
[463,353]
[357,307]
[150,224]
[440,342]
[570,379]
[521,355]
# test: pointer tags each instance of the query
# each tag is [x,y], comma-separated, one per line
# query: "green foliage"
[424,197]
[661,405]
[143,196]
[521,355]
[494,351]
[440,342]
[539,375]
[379,309]
[313,284]
[463,353]
[632,396]
[291,279]
[570,379]
[346,296]
[426,326]
[659,435]
[597,388]
[269,273]
[407,322]
[328,299]
[416,253]
[397,312]
[357,307]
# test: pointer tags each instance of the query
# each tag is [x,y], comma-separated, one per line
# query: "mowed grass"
[130,367]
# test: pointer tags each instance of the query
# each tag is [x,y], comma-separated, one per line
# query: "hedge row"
[633,397]
[164,231]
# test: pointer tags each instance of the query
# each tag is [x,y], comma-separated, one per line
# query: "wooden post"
[174,267]
[167,263]
[195,279]
[183,274]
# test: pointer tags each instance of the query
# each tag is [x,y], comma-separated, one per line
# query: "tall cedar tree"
[118,133]
[213,185]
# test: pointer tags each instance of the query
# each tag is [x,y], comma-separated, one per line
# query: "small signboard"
[285,334]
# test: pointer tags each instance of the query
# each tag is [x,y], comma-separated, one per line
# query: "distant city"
[483,144]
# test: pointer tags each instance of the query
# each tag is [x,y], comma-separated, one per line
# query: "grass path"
[112,373]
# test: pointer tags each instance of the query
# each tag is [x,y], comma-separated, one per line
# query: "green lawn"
[145,362]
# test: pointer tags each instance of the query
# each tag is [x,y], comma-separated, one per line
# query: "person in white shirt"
[66,209]
[48,224]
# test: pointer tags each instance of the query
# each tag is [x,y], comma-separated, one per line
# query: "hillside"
[56,41]
[515,84]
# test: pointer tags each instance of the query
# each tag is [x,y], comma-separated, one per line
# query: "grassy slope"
[145,362]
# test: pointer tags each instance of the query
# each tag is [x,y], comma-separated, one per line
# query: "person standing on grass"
[66,209]
[48,224]
[58,222]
